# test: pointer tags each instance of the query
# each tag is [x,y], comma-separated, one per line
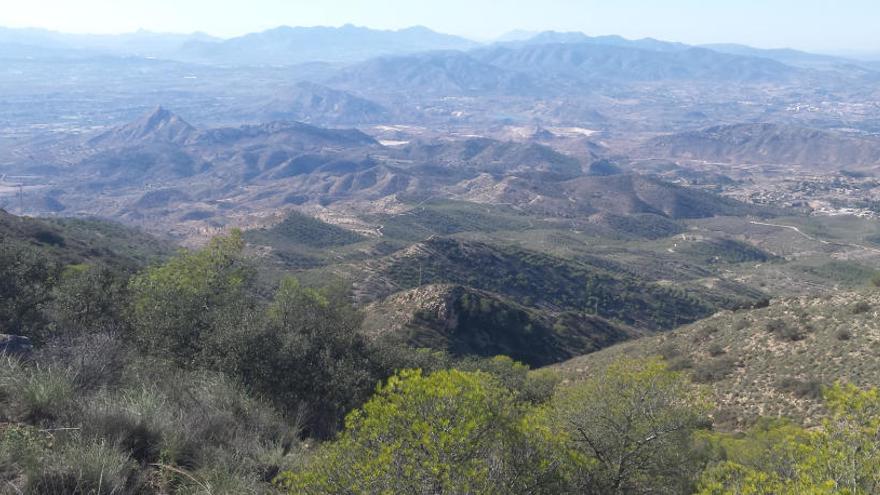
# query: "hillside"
[623,195]
[471,322]
[309,102]
[768,143]
[70,241]
[484,155]
[159,125]
[438,73]
[533,279]
[767,362]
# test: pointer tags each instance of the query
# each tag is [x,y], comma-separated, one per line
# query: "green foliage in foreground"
[633,426]
[628,430]
[177,305]
[429,434]
[144,427]
[25,279]
[188,378]
[782,459]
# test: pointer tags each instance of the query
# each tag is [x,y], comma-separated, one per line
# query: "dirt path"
[815,239]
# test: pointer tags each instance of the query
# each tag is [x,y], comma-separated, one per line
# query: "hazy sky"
[809,24]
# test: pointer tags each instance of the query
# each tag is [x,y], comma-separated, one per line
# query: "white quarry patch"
[572,131]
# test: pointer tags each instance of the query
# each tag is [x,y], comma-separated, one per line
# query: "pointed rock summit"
[158,126]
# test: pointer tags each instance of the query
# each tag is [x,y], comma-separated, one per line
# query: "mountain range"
[286,45]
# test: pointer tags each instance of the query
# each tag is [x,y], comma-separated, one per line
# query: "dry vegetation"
[767,362]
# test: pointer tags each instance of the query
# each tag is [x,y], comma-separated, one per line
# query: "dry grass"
[771,361]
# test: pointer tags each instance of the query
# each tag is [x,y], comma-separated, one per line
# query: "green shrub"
[669,351]
[540,386]
[778,457]
[716,349]
[805,389]
[26,277]
[629,429]
[179,306]
[450,432]
[87,299]
[93,468]
[681,363]
[786,331]
[741,324]
[309,357]
[21,449]
[712,370]
[528,386]
[861,307]
[35,394]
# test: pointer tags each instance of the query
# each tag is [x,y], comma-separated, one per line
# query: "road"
[815,239]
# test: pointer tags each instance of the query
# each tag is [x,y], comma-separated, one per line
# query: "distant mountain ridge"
[287,45]
[629,62]
[435,73]
[139,43]
[292,45]
[555,65]
[768,143]
[284,45]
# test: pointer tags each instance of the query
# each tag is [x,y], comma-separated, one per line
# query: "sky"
[818,25]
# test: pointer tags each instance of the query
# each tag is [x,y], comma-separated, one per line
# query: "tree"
[535,386]
[310,357]
[26,277]
[87,299]
[629,429]
[450,432]
[843,457]
[177,305]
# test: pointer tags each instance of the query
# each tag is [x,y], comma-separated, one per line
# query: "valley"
[275,230]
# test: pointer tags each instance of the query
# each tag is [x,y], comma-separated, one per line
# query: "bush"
[843,334]
[93,468]
[681,363]
[861,307]
[179,306]
[449,432]
[21,449]
[781,458]
[629,429]
[34,394]
[805,389]
[26,277]
[87,299]
[775,325]
[93,361]
[716,349]
[309,357]
[785,331]
[713,370]
[669,351]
